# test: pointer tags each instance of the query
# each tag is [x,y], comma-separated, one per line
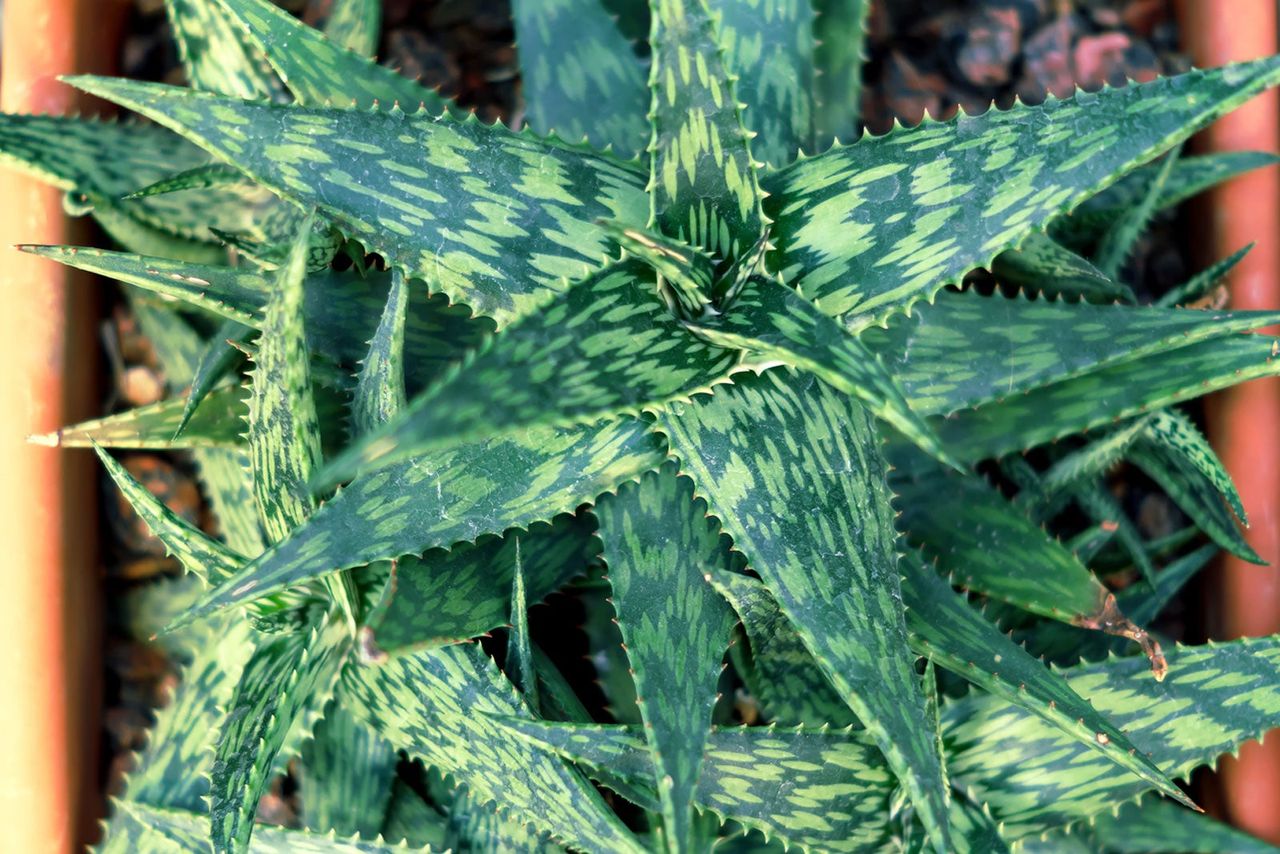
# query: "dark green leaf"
[222,356]
[354,24]
[1042,264]
[840,34]
[380,388]
[214,53]
[346,776]
[794,470]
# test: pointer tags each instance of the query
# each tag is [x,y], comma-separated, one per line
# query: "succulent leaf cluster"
[700,367]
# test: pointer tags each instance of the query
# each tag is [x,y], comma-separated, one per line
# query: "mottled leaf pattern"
[346,776]
[380,388]
[659,546]
[606,345]
[795,471]
[1173,430]
[769,47]
[497,241]
[868,229]
[1044,265]
[276,684]
[704,182]
[446,597]
[453,497]
[215,54]
[319,71]
[1157,826]
[454,690]
[354,24]
[581,77]
[216,424]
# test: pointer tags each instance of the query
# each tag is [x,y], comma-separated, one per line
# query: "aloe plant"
[695,365]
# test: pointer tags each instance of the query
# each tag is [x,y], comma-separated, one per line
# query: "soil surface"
[925,56]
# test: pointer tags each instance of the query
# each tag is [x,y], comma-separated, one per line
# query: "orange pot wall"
[1243,421]
[49,609]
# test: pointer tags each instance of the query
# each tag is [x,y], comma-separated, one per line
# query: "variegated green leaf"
[685,273]
[1040,342]
[790,685]
[446,597]
[820,789]
[222,356]
[215,53]
[606,345]
[1105,396]
[946,630]
[452,692]
[216,424]
[795,471]
[276,684]
[1202,283]
[519,661]
[354,24]
[453,497]
[704,186]
[1189,177]
[769,48]
[380,385]
[496,242]
[659,546]
[346,775]
[1173,430]
[165,831]
[580,75]
[319,71]
[1155,826]
[774,322]
[475,827]
[1117,244]
[341,311]
[840,34]
[868,229]
[1215,698]
[1044,265]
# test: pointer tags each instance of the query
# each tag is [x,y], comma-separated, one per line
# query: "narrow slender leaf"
[214,53]
[452,691]
[346,776]
[319,71]
[380,388]
[580,77]
[704,182]
[222,355]
[867,230]
[1118,243]
[1044,265]
[519,662]
[604,346]
[659,545]
[1174,431]
[496,242]
[1156,826]
[1199,285]
[794,471]
[216,424]
[840,34]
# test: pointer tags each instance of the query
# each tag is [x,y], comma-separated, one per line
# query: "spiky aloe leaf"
[223,473]
[496,243]
[1032,776]
[793,689]
[946,630]
[1189,177]
[519,662]
[452,692]
[794,471]
[768,47]
[215,53]
[820,789]
[1087,463]
[1205,281]
[1194,493]
[1117,244]
[319,71]
[200,554]
[453,497]
[581,76]
[987,545]
[1104,396]
[1173,430]
[446,597]
[380,387]
[165,831]
[685,273]
[840,34]
[1040,341]
[868,229]
[196,178]
[474,827]
[222,355]
[341,311]
[659,545]
[216,424]
[704,186]
[346,775]
[411,819]
[278,680]
[1155,826]
[774,322]
[604,346]
[1045,265]
[354,24]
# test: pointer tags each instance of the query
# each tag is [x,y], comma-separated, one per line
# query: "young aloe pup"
[693,357]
